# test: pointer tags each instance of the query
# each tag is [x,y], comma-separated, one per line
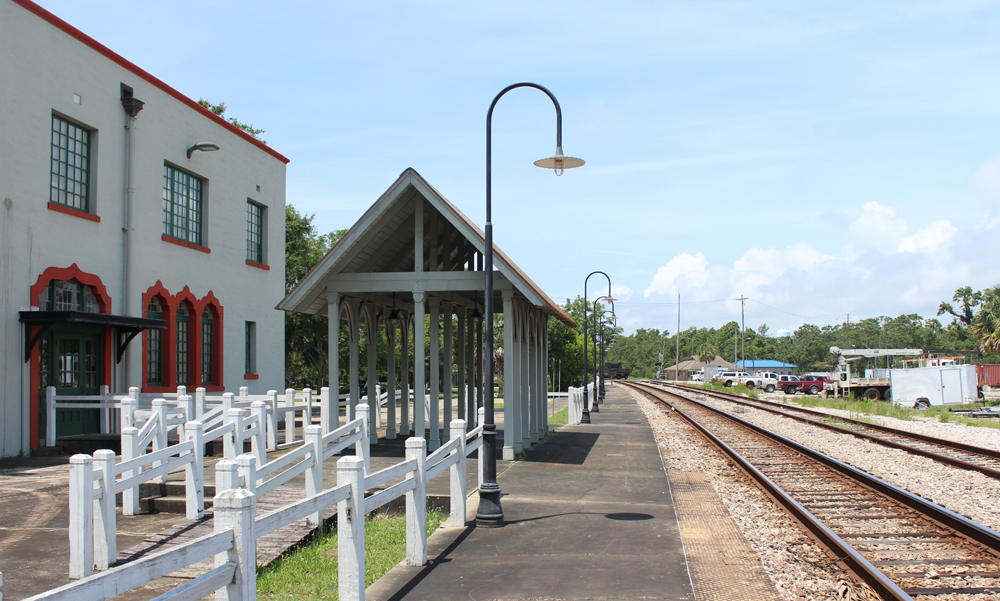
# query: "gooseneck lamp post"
[599,357]
[490,513]
[585,418]
[614,320]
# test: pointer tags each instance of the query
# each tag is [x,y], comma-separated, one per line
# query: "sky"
[819,159]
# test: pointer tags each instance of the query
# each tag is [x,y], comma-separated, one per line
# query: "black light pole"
[600,387]
[585,418]
[599,357]
[490,513]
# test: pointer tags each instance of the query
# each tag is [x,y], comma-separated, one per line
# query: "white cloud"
[619,291]
[682,269]
[881,269]
[929,239]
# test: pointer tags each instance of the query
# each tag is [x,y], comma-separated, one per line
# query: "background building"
[123,201]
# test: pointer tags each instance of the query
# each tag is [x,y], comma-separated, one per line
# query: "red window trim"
[258,265]
[74,212]
[180,242]
[251,376]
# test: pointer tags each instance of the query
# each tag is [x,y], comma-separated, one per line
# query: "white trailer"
[925,386]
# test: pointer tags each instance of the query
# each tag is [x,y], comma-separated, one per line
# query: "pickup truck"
[766,381]
[807,384]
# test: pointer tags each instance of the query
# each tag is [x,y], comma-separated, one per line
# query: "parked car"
[789,384]
[813,384]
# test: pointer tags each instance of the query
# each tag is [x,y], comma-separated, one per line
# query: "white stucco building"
[120,224]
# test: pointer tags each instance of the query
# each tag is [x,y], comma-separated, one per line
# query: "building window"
[207,342]
[70,170]
[255,232]
[64,295]
[183,342]
[182,205]
[251,347]
[154,345]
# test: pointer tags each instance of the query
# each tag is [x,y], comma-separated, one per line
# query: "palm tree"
[985,324]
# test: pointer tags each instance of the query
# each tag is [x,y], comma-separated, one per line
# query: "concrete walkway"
[589,516]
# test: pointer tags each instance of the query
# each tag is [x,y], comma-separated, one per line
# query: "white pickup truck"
[766,381]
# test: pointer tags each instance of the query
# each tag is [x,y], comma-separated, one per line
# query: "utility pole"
[677,360]
[743,331]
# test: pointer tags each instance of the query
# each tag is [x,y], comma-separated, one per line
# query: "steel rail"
[874,577]
[785,411]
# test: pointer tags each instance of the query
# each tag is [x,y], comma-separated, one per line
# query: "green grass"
[311,571]
[559,418]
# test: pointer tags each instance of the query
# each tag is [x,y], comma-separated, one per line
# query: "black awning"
[127,327]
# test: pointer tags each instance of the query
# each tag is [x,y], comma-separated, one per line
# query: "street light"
[490,513]
[614,318]
[599,360]
[585,418]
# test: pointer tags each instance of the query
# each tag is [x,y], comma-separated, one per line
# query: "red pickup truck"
[807,384]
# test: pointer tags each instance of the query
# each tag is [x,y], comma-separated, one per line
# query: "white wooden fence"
[237,528]
[575,403]
[94,481]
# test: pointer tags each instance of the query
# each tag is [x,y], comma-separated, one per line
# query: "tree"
[306,336]
[969,301]
[985,325]
[220,110]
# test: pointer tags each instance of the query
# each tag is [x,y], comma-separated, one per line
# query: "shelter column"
[538,380]
[511,385]
[404,410]
[447,313]
[470,376]
[354,322]
[333,334]
[390,391]
[460,372]
[434,333]
[480,364]
[374,409]
[543,419]
[419,357]
[525,404]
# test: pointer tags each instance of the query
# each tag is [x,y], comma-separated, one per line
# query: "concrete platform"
[589,516]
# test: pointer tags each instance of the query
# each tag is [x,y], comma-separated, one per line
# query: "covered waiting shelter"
[411,256]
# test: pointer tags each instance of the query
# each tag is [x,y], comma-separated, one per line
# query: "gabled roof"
[376,257]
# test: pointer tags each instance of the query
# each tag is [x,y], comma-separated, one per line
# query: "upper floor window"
[255,232]
[182,205]
[63,295]
[69,183]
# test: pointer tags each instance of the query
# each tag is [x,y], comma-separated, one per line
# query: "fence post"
[272,420]
[307,417]
[130,496]
[247,466]
[314,474]
[81,519]
[258,444]
[416,504]
[105,531]
[374,415]
[105,409]
[199,402]
[226,476]
[363,447]
[129,405]
[290,416]
[238,417]
[186,403]
[194,471]
[160,437]
[480,451]
[50,416]
[133,392]
[457,470]
[236,510]
[351,530]
[325,414]
[244,391]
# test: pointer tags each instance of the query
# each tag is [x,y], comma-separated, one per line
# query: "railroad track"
[898,544]
[956,454]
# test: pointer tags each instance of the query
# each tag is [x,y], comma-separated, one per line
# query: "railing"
[237,527]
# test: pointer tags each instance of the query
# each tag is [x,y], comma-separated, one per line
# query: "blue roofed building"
[755,365]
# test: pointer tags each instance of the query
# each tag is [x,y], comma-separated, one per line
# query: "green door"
[71,359]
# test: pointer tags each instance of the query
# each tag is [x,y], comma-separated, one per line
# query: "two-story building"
[141,236]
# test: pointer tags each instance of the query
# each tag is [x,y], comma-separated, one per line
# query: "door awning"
[126,327]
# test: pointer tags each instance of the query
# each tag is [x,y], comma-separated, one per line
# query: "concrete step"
[167,497]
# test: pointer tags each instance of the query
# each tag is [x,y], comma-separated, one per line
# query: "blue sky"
[819,158]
